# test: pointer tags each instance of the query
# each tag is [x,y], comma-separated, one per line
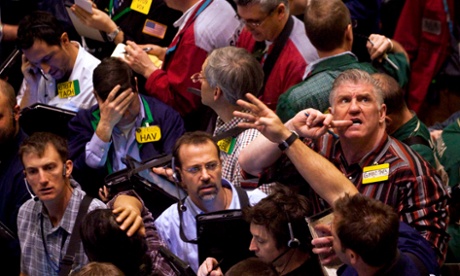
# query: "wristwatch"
[111,36]
[288,142]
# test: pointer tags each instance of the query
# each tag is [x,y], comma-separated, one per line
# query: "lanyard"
[112,12]
[449,21]
[173,46]
[54,266]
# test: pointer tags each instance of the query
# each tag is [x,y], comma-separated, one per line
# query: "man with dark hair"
[369,238]
[402,123]
[122,123]
[56,70]
[378,165]
[278,41]
[198,169]
[13,193]
[46,221]
[280,233]
[330,30]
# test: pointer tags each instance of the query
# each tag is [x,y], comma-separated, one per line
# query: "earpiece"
[176,174]
[34,197]
[293,241]
[64,173]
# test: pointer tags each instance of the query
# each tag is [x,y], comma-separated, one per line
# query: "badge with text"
[148,134]
[376,173]
[154,28]
[142,6]
[227,144]
[68,89]
[431,26]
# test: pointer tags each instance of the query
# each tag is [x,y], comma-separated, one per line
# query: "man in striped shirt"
[379,166]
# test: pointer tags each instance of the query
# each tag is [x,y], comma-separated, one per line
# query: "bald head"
[7,92]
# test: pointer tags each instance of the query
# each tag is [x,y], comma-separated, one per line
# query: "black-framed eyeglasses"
[255,23]
[197,77]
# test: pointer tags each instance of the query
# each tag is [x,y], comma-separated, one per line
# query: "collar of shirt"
[221,126]
[311,65]
[180,23]
[369,159]
[69,217]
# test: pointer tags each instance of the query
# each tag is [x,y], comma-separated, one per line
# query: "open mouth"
[356,121]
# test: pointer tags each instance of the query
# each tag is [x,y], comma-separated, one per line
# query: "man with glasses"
[226,76]
[330,30]
[198,169]
[278,41]
[57,71]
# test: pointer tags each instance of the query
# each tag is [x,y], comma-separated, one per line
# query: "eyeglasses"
[210,167]
[255,23]
[197,77]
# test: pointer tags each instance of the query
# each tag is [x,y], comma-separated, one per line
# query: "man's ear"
[330,110]
[68,168]
[383,113]
[217,93]
[135,80]
[281,10]
[16,112]
[352,256]
[65,39]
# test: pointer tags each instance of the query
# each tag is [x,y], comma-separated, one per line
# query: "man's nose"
[252,245]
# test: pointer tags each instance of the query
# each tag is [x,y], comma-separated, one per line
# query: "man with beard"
[12,190]
[199,170]
[57,71]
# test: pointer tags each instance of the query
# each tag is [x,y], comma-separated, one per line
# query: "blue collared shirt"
[34,260]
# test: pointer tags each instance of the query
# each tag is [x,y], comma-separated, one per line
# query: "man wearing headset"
[46,221]
[198,169]
[280,234]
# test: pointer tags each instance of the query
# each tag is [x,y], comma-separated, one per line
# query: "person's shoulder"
[28,207]
[167,216]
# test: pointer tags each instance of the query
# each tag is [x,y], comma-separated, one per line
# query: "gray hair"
[356,76]
[235,71]
[266,5]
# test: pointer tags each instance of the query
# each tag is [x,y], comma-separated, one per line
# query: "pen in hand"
[328,130]
[385,56]
[146,49]
[214,267]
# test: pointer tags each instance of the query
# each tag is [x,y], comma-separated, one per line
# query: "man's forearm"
[324,178]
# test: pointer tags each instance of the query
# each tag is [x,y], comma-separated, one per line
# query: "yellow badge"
[142,6]
[68,89]
[148,134]
[227,144]
[376,173]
